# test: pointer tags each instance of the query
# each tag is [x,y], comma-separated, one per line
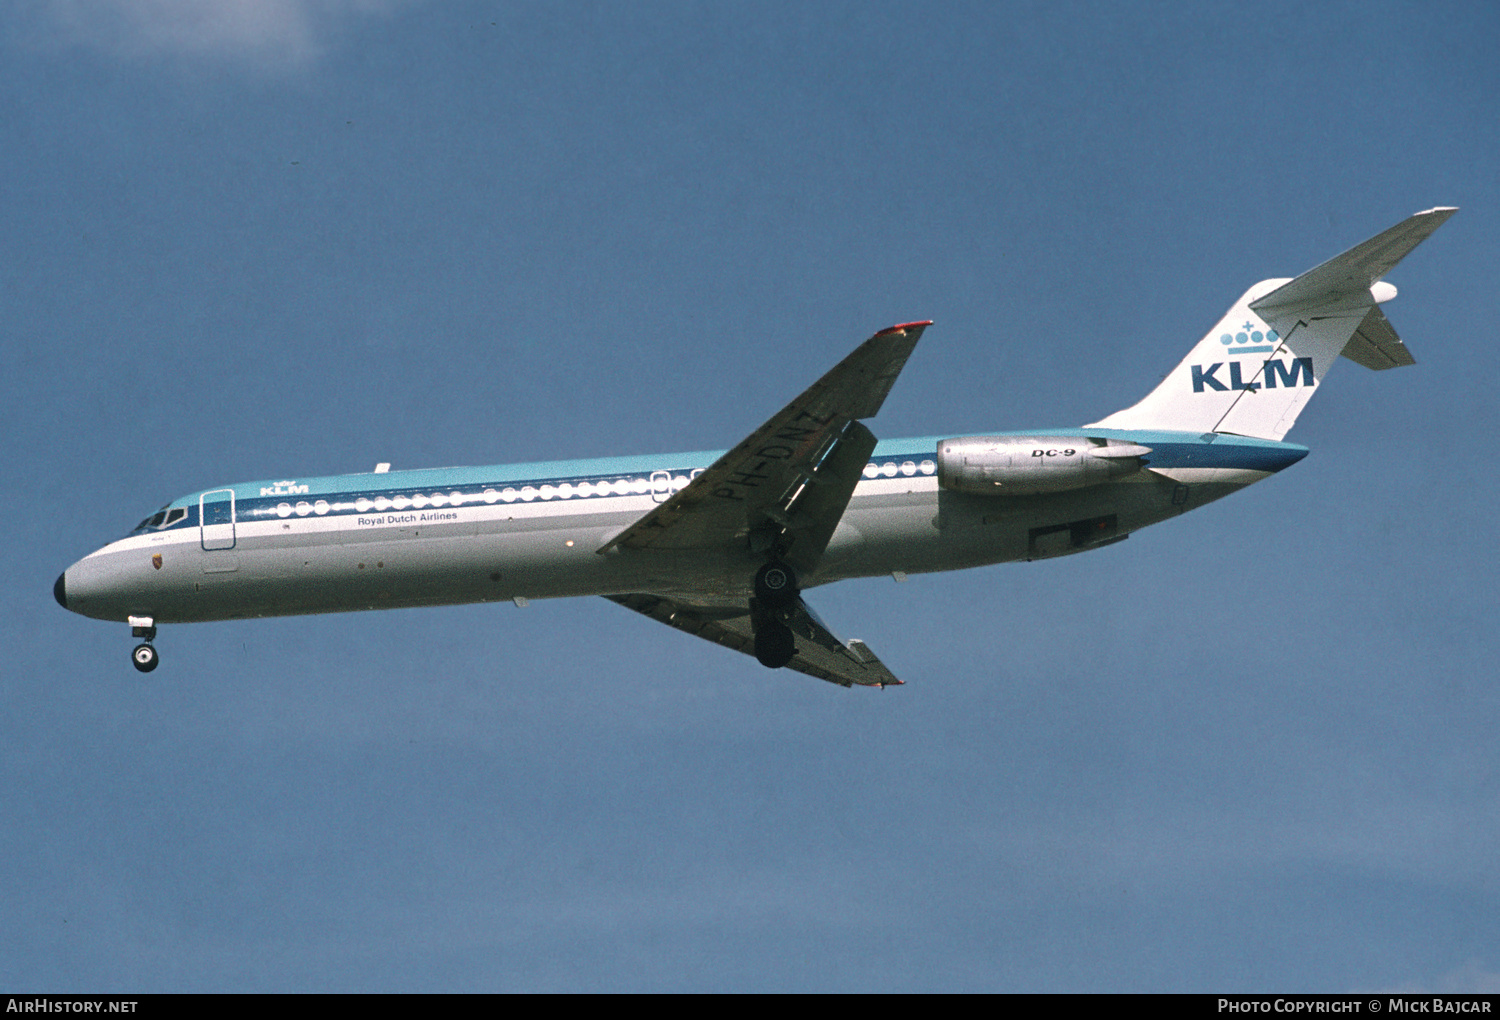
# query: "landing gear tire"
[775,645]
[776,583]
[145,658]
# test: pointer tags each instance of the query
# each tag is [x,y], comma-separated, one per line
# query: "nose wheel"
[143,657]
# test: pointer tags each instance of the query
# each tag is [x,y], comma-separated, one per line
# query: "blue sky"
[1252,748]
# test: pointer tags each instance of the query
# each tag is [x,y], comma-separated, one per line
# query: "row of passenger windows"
[165,518]
[563,490]
[510,494]
[890,469]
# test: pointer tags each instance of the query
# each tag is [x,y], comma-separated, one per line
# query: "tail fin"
[1255,371]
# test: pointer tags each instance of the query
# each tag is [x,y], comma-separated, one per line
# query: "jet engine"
[1030,465]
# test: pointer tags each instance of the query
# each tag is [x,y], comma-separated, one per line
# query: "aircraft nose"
[60,589]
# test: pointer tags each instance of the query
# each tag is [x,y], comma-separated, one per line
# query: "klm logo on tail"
[1258,342]
[1275,372]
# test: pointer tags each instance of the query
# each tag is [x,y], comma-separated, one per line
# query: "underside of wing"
[819,653]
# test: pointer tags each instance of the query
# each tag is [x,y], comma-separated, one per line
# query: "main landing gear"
[144,656]
[776,583]
[775,593]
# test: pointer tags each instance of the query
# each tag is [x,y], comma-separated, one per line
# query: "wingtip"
[903,327]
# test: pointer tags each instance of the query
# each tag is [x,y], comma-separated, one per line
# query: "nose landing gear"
[144,656]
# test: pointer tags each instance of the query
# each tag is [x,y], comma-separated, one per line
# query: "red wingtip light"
[904,326]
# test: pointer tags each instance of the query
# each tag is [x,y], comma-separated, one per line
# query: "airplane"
[723,545]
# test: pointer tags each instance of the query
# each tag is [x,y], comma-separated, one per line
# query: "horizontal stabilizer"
[1352,273]
[1376,345]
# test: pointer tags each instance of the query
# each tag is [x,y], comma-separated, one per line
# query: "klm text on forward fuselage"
[1275,372]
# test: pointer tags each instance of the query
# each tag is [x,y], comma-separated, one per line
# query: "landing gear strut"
[775,591]
[144,656]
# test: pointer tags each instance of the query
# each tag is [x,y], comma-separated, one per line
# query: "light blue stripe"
[470,479]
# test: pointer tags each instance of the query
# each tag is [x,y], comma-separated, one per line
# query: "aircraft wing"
[819,653]
[795,473]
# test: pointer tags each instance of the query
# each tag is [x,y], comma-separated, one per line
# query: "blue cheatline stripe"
[604,478]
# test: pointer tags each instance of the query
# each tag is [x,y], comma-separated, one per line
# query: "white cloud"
[1471,979]
[260,32]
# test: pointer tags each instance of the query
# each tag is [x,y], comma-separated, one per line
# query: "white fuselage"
[531,531]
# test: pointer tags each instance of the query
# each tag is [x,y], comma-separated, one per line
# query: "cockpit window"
[161,519]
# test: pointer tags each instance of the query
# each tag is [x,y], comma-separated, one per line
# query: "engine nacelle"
[1029,465]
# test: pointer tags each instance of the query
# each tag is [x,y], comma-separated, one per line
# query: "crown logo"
[1250,340]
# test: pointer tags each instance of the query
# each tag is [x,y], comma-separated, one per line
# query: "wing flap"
[814,512]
